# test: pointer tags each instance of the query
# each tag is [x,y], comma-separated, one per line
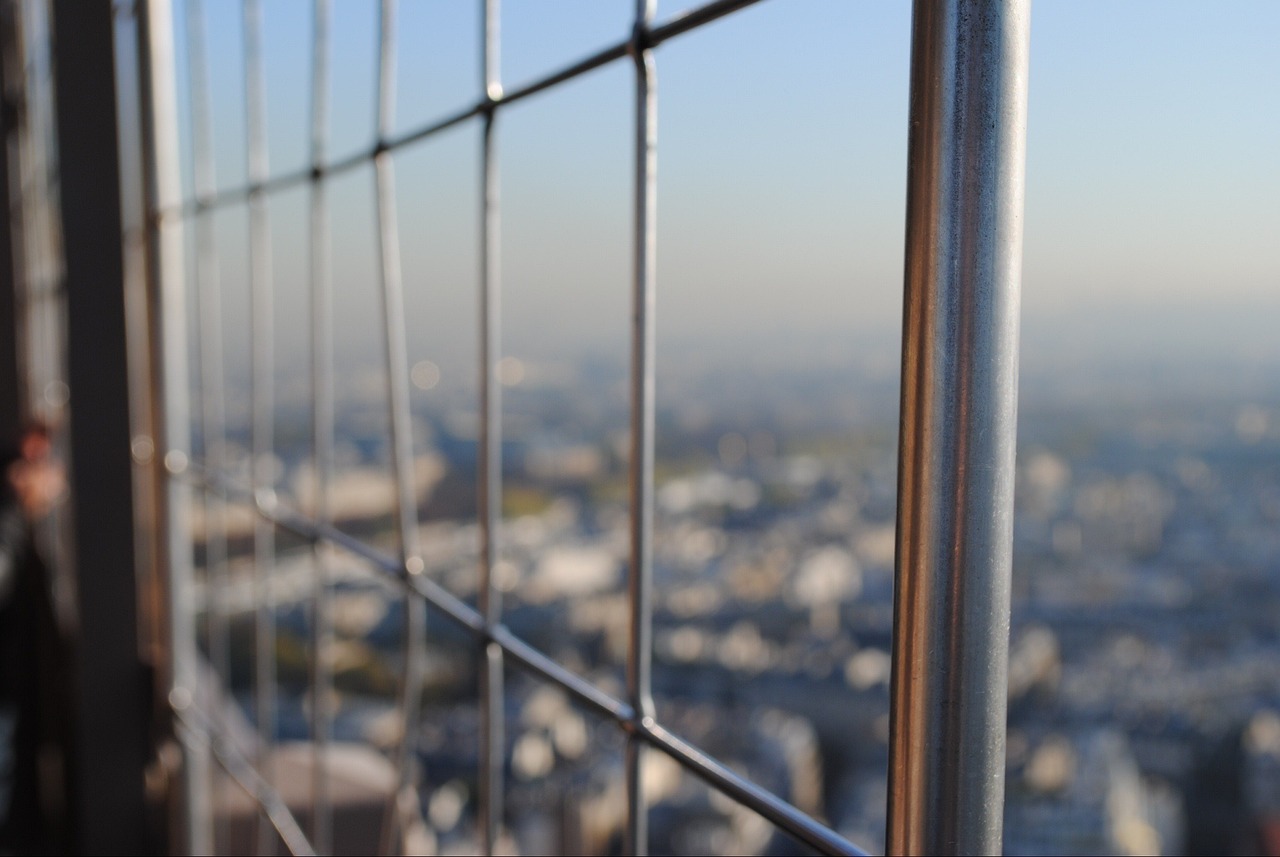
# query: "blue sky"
[1153,197]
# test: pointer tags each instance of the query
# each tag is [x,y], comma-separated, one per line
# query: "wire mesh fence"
[232,540]
[311,518]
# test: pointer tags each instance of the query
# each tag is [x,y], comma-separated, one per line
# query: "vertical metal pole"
[492,703]
[262,359]
[172,406]
[322,416]
[640,649]
[144,395]
[397,368]
[16,128]
[212,385]
[111,704]
[41,324]
[10,379]
[959,405]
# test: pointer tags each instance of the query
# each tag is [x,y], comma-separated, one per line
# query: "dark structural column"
[110,694]
[966,156]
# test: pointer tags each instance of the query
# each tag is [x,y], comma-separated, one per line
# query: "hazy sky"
[1153,196]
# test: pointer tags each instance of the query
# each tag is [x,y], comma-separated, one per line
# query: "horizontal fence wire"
[499,645]
[641,39]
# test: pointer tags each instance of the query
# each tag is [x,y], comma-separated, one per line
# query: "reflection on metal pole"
[959,405]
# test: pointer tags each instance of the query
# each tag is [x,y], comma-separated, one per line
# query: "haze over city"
[1152,185]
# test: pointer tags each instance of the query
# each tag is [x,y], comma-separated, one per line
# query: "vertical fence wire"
[262,359]
[16,399]
[12,403]
[322,435]
[28,153]
[29,187]
[44,307]
[19,133]
[405,801]
[207,287]
[644,283]
[492,698]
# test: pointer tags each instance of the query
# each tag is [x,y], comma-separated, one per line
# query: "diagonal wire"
[322,433]
[196,727]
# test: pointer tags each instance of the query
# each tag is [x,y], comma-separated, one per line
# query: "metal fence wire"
[959,379]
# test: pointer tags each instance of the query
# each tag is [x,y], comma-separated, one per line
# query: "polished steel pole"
[959,407]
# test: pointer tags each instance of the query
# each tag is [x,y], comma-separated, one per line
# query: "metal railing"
[956,444]
[966,157]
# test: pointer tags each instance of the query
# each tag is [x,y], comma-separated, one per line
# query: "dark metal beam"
[110,690]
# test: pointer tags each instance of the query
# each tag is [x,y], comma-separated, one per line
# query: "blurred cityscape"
[1144,706]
